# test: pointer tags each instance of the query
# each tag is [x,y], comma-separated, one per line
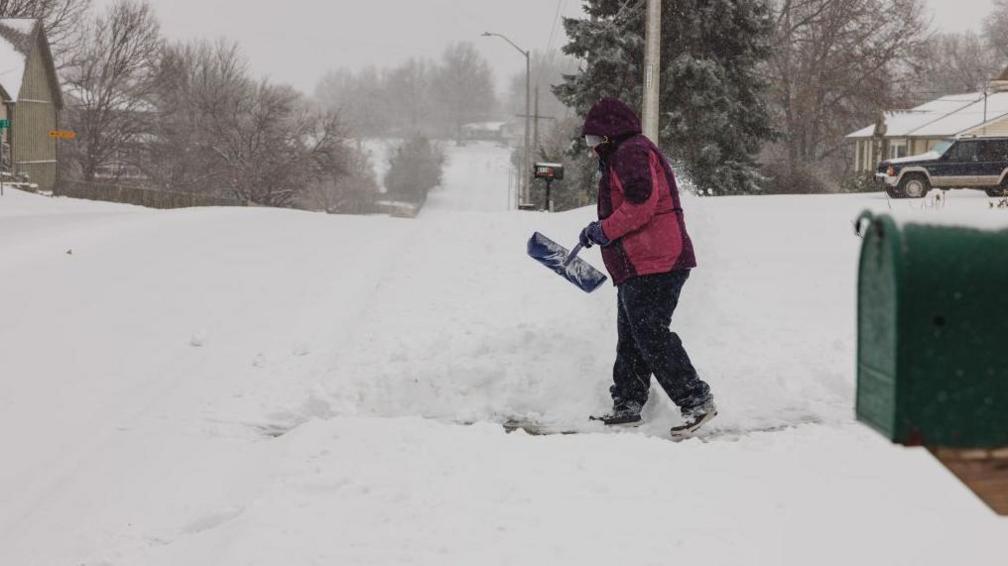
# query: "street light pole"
[523,178]
[527,197]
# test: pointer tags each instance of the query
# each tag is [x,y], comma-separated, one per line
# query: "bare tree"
[953,63]
[418,96]
[362,98]
[344,182]
[217,129]
[464,86]
[109,83]
[409,89]
[835,65]
[272,145]
[61,19]
[996,29]
[195,84]
[380,102]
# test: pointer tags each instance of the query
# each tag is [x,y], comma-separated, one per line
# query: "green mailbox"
[932,346]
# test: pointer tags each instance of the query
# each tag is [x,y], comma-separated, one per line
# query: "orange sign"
[63,134]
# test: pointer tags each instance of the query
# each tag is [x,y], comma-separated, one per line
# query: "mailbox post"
[549,172]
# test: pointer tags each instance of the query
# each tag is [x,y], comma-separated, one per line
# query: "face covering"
[595,141]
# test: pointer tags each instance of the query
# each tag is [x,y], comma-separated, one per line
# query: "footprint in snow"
[212,521]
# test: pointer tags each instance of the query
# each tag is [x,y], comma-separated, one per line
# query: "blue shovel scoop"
[565,263]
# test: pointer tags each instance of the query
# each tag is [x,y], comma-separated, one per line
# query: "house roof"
[947,116]
[490,126]
[18,39]
[15,45]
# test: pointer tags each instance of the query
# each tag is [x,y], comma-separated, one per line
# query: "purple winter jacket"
[638,199]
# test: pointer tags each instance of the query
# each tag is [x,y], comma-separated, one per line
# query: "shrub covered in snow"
[414,169]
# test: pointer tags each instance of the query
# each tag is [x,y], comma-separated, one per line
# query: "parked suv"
[969,162]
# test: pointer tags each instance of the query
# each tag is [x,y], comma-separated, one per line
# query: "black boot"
[695,417]
[624,412]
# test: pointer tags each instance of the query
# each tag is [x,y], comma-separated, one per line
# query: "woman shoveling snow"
[649,256]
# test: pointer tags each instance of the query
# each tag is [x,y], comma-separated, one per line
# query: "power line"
[561,4]
[552,36]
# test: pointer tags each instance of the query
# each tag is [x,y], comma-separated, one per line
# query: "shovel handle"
[573,254]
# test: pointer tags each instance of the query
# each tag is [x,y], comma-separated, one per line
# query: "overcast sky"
[295,41]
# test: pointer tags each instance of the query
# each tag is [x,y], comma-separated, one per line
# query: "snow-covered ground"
[260,387]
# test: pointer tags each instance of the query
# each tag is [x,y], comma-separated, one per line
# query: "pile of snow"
[253,386]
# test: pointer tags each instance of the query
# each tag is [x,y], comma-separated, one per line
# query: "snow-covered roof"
[489,126]
[970,117]
[15,45]
[947,116]
[23,25]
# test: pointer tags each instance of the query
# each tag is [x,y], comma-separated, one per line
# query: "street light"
[528,112]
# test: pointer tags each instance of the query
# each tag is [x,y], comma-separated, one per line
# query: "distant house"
[901,133]
[513,131]
[31,99]
[484,131]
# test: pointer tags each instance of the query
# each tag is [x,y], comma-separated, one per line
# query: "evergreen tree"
[714,118]
[415,168]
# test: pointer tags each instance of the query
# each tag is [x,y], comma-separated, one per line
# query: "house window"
[897,150]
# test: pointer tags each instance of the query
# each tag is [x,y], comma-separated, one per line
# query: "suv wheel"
[914,186]
[1000,191]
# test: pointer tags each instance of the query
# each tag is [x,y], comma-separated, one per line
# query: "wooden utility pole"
[652,70]
[536,118]
[535,127]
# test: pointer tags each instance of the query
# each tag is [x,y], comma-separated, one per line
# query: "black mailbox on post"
[549,172]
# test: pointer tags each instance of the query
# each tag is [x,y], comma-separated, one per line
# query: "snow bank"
[245,386]
[957,208]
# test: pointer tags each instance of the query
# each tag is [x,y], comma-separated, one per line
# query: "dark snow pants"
[646,345]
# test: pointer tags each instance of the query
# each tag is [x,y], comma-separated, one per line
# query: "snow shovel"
[564,263]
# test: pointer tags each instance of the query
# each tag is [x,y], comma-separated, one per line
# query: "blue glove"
[593,234]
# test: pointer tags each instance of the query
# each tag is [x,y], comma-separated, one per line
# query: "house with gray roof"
[901,133]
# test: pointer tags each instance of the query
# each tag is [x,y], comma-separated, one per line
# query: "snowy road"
[231,386]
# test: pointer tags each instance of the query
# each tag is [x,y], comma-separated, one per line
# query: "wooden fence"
[151,198]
